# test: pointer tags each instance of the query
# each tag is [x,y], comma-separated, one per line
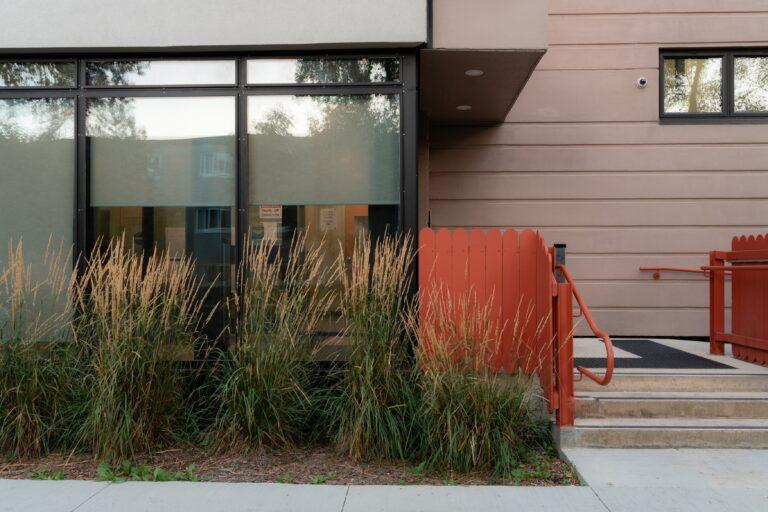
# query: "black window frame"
[728,114]
[406,88]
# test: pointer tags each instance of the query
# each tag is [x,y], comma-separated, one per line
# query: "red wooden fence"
[513,272]
[749,288]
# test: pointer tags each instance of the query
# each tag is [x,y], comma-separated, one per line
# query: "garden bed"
[315,465]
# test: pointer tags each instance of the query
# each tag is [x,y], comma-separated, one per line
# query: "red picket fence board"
[513,273]
[749,311]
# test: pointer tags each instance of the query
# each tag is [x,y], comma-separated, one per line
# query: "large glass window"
[153,150]
[37,175]
[163,176]
[714,85]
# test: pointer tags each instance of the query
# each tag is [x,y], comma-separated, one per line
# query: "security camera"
[641,82]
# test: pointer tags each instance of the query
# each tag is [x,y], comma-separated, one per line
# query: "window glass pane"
[162,175]
[37,74]
[162,151]
[320,70]
[161,72]
[751,84]
[37,176]
[693,85]
[324,149]
[327,165]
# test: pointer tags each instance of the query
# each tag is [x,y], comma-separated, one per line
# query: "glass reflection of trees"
[693,85]
[751,84]
[334,71]
[114,72]
[37,74]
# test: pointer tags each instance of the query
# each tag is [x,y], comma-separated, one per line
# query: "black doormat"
[653,355]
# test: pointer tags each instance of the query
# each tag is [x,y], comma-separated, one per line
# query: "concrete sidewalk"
[699,480]
[619,481]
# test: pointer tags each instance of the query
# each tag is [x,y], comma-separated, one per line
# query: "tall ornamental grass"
[266,396]
[36,361]
[139,314]
[470,416]
[369,410]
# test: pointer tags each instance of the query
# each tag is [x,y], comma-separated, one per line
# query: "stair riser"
[662,438]
[649,408]
[678,383]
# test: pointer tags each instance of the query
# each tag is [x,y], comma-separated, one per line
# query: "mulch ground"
[300,466]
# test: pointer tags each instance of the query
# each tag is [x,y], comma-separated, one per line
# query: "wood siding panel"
[611,158]
[612,267]
[688,28]
[649,322]
[495,213]
[583,157]
[620,56]
[657,294]
[654,6]
[638,133]
[627,185]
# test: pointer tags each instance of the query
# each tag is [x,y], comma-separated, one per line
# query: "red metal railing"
[749,291]
[609,361]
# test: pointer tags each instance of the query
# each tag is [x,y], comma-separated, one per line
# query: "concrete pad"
[217,497]
[46,496]
[699,469]
[639,499]
[593,347]
[486,498]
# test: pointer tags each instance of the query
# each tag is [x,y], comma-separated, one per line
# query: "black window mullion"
[728,85]
[243,182]
[81,166]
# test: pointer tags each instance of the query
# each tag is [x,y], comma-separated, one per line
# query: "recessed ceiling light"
[474,72]
[464,107]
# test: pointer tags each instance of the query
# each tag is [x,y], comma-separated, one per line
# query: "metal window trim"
[729,115]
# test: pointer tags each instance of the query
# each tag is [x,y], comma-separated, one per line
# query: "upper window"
[323,70]
[116,73]
[37,74]
[714,85]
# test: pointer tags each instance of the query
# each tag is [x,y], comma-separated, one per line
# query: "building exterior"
[634,132]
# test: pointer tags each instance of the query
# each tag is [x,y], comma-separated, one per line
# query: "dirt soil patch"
[312,465]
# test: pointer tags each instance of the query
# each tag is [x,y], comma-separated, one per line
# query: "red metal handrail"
[731,268]
[606,379]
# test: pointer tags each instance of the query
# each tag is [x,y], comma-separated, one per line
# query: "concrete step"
[608,404]
[665,433]
[679,382]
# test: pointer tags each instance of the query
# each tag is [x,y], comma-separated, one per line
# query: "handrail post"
[559,260]
[564,340]
[716,305]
